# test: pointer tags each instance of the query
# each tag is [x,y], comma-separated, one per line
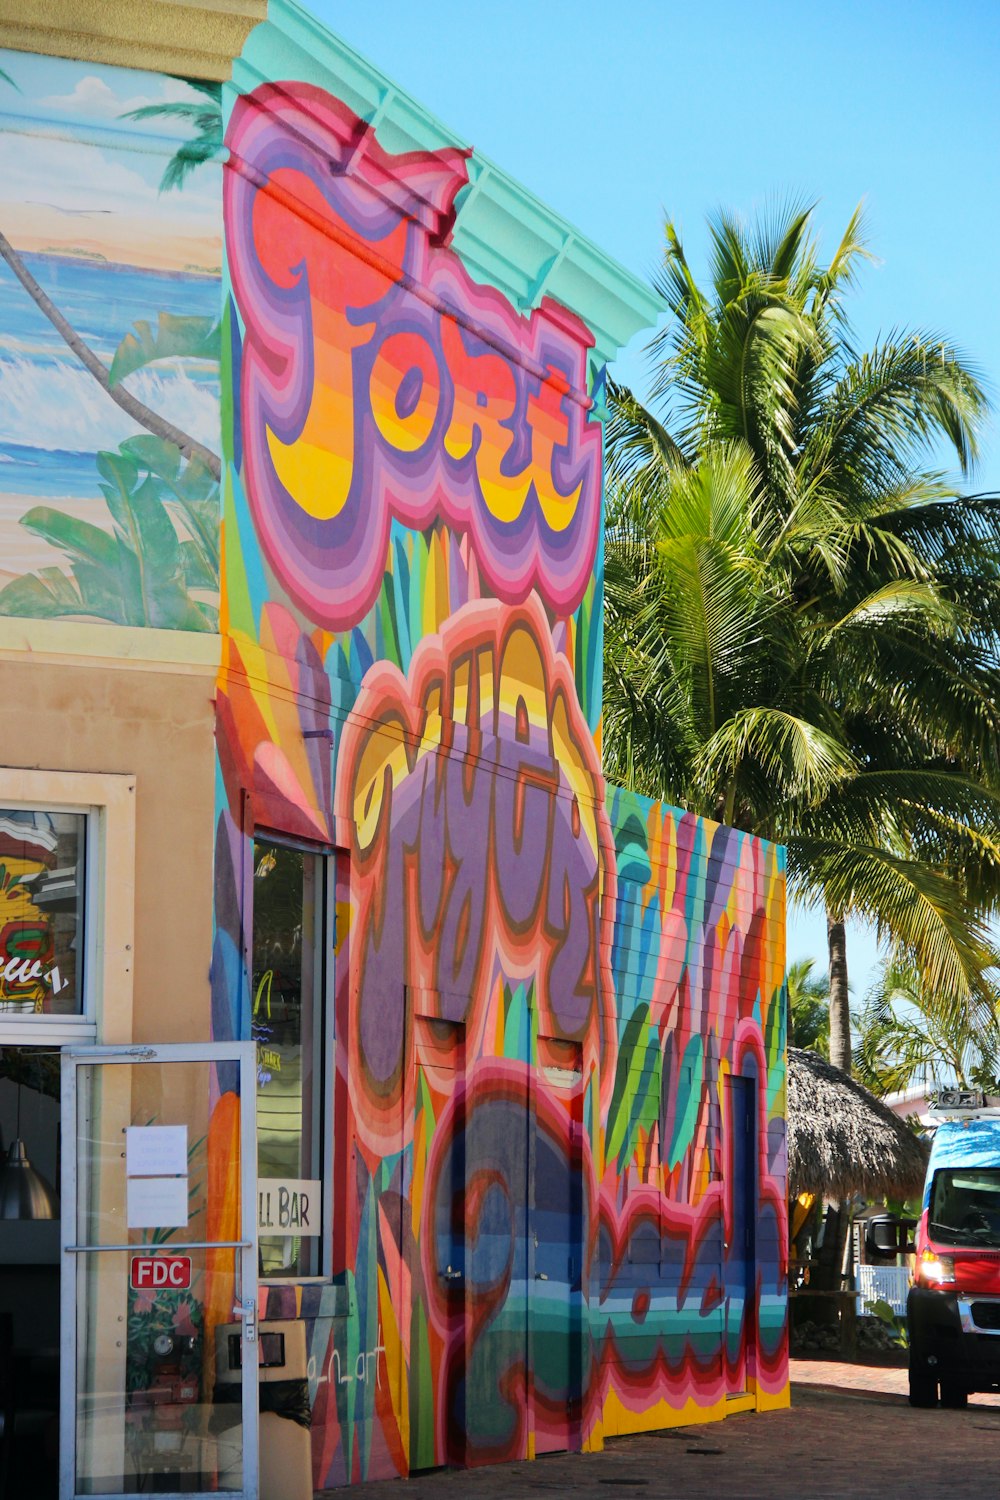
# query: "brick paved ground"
[850,1433]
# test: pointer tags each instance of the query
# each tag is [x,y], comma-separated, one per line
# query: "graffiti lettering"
[366,336]
[467,859]
[362,1372]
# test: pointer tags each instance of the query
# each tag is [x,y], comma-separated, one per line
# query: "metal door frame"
[73,1057]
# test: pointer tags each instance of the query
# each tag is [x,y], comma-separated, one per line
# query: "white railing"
[882,1284]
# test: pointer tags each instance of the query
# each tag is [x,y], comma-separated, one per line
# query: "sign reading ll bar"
[160,1272]
[288,1205]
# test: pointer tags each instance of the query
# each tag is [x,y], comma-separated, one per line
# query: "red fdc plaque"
[160,1272]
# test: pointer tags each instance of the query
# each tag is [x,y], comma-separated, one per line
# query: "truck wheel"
[923,1388]
[955,1396]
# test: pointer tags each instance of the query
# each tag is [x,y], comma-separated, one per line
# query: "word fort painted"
[558,1147]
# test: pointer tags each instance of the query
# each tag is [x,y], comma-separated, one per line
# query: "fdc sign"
[160,1272]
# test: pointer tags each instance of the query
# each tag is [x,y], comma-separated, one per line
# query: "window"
[67,906]
[289,981]
[965,1207]
[43,863]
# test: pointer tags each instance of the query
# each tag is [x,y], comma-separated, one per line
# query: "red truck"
[953,1307]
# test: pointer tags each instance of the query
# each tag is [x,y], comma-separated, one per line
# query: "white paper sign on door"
[156,1150]
[157,1202]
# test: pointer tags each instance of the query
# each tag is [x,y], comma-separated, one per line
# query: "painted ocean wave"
[55,405]
[54,417]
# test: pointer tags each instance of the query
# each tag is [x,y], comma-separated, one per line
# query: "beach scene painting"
[110,260]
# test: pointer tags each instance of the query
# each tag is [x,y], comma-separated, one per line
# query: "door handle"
[540,1276]
[450,1275]
[248,1312]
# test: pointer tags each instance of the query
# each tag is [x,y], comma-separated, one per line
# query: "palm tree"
[705,702]
[869,744]
[717,696]
[808,1007]
[908,1033]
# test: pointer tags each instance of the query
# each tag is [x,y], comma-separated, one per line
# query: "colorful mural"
[558,1176]
[360,403]
[109,345]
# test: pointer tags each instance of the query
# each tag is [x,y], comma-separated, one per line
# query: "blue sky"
[615,114]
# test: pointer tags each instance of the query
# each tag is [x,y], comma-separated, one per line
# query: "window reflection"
[42,857]
[965,1206]
[286,1016]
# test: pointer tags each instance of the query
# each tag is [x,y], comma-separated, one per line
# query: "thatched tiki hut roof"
[842,1140]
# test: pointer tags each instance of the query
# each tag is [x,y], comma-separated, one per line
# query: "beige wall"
[153,720]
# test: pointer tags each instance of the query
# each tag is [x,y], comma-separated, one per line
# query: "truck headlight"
[936,1271]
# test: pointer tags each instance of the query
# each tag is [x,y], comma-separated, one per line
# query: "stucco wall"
[157,724]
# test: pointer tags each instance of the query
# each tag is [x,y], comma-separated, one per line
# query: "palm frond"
[921,909]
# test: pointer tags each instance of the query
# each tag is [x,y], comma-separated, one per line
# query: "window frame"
[107,801]
[323,1038]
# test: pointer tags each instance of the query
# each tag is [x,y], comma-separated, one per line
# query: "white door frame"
[244,1054]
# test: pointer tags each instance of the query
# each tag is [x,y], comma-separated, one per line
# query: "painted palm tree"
[140,413]
[832,681]
[162,552]
[204,115]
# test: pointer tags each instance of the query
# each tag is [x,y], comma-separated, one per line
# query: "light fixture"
[24,1193]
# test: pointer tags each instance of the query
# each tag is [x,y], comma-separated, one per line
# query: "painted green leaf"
[197,573]
[175,337]
[689,1084]
[644,1110]
[774,1030]
[163,542]
[156,454]
[45,595]
[78,539]
[421,1391]
[621,1096]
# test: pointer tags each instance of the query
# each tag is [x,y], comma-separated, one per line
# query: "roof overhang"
[191,38]
[506,236]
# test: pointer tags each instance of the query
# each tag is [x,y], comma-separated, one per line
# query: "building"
[319,802]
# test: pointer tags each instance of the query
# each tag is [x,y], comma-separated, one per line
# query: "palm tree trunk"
[151,420]
[840,1056]
[840,1012]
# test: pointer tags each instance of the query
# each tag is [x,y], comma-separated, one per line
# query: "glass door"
[159,1272]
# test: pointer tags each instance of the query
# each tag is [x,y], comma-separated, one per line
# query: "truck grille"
[986,1314]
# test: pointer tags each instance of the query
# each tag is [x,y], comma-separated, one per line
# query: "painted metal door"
[555,1229]
[740,1272]
[439,1310]
[159,1272]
